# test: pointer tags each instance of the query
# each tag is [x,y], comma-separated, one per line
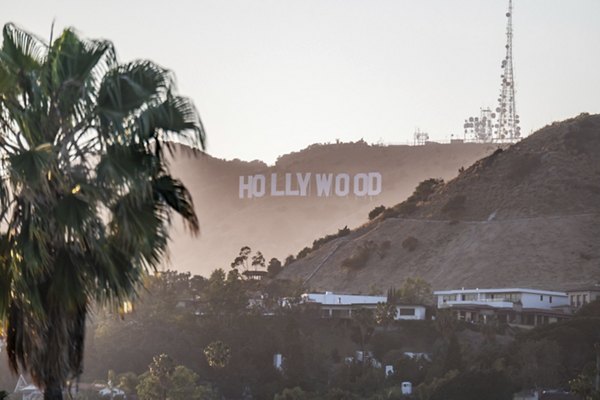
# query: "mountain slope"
[279,226]
[526,216]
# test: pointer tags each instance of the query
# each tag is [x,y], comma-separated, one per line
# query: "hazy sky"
[273,76]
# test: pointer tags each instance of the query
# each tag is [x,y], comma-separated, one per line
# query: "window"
[584,298]
[578,300]
[407,311]
[512,297]
[550,299]
[541,297]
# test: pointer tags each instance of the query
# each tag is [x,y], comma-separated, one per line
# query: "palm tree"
[86,197]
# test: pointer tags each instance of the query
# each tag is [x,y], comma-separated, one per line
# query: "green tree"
[274,267]
[584,384]
[161,369]
[385,314]
[362,328]
[86,196]
[184,386]
[225,294]
[538,363]
[416,291]
[164,380]
[127,382]
[217,354]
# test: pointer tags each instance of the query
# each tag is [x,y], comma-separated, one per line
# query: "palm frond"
[31,166]
[177,197]
[126,88]
[74,70]
[175,117]
[21,51]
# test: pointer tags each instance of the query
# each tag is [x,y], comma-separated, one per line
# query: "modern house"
[336,305]
[517,306]
[582,295]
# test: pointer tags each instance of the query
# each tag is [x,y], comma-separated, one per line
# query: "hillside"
[279,226]
[528,216]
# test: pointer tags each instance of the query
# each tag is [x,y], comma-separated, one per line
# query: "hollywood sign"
[302,184]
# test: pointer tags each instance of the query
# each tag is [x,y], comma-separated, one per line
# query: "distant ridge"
[528,216]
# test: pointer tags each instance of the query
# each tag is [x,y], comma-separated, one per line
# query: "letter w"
[324,184]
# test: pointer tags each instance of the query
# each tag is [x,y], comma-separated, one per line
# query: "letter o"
[374,183]
[259,185]
[361,185]
[342,185]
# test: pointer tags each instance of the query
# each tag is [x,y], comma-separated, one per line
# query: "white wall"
[531,300]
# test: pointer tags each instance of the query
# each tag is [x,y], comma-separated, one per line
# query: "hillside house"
[518,306]
[335,305]
[582,295]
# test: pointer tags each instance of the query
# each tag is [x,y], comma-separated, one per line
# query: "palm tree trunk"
[53,392]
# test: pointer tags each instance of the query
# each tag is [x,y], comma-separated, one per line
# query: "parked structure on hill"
[517,306]
[336,305]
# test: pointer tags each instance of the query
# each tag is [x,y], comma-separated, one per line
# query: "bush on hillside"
[374,213]
[422,194]
[410,243]
[358,259]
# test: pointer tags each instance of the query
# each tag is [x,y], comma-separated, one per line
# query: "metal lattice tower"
[507,125]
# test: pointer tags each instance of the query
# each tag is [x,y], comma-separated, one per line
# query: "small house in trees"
[582,295]
[337,305]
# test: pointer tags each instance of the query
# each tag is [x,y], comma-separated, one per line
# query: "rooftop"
[500,290]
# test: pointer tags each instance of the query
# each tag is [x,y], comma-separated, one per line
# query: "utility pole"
[597,347]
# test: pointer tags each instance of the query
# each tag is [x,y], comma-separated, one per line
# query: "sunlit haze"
[274,76]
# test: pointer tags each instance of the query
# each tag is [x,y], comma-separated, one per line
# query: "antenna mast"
[508,129]
[502,125]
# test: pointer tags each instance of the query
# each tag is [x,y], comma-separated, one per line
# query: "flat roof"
[499,290]
[587,288]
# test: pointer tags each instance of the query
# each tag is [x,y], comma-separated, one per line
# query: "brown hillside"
[526,216]
[280,226]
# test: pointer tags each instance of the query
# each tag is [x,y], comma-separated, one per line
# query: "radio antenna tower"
[508,129]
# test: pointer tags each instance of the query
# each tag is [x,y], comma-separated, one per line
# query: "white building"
[336,305]
[511,305]
[582,295]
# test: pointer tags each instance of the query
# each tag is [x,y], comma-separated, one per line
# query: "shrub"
[360,256]
[345,231]
[422,193]
[426,189]
[288,260]
[410,243]
[375,212]
[303,253]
